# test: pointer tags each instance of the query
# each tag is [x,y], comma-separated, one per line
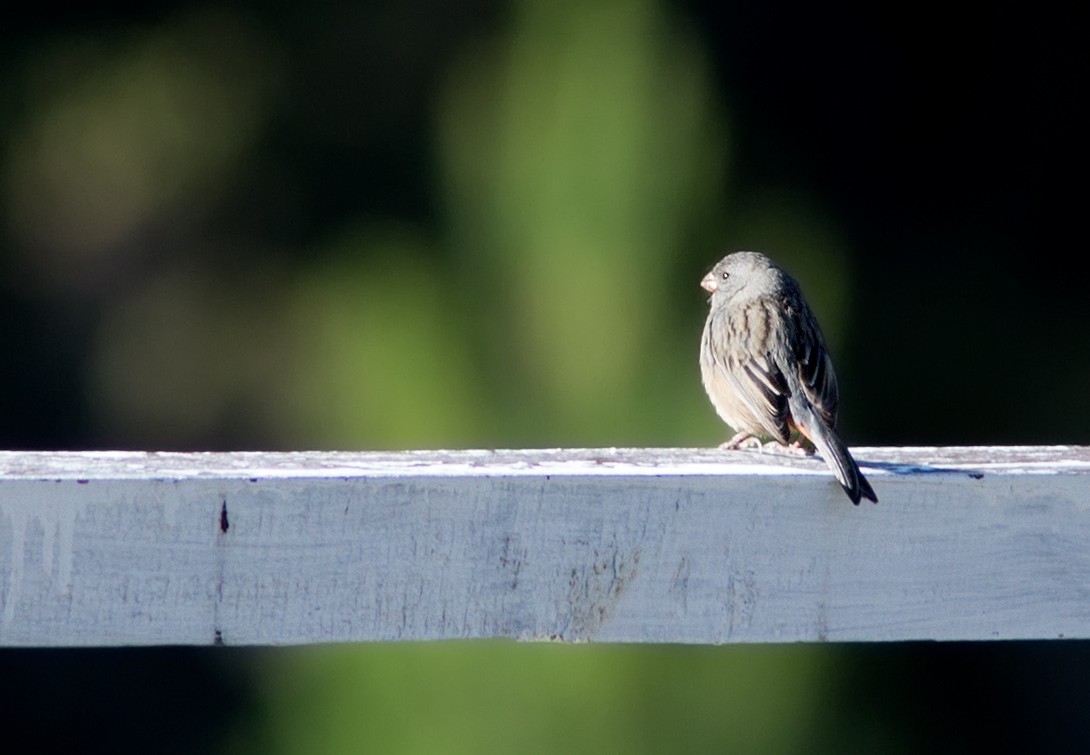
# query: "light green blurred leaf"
[383,353]
[577,153]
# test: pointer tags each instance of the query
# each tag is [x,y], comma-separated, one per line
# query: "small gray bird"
[765,366]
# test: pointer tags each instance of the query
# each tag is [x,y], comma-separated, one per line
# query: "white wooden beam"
[606,545]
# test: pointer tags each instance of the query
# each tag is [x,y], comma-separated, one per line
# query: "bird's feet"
[800,447]
[742,440]
[748,440]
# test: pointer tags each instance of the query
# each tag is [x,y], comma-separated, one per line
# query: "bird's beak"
[709,283]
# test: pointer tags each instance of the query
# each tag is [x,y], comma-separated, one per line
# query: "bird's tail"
[840,460]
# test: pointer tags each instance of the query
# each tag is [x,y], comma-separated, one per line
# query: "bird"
[765,366]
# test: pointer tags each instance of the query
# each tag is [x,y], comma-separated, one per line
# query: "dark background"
[424,224]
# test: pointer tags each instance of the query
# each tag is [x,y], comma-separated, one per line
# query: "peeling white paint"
[134,465]
[54,508]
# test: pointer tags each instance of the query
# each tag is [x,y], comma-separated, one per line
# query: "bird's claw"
[747,440]
[742,440]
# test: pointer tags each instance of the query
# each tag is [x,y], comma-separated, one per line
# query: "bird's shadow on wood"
[917,469]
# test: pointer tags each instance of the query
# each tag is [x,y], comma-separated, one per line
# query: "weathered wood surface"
[604,545]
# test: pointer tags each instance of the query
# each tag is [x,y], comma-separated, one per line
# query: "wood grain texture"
[603,545]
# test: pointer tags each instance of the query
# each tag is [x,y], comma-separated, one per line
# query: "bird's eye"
[724,275]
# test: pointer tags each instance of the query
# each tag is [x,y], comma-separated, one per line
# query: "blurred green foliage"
[503,697]
[578,153]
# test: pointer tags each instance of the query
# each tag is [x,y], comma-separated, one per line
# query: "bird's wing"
[814,366]
[763,389]
[742,342]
